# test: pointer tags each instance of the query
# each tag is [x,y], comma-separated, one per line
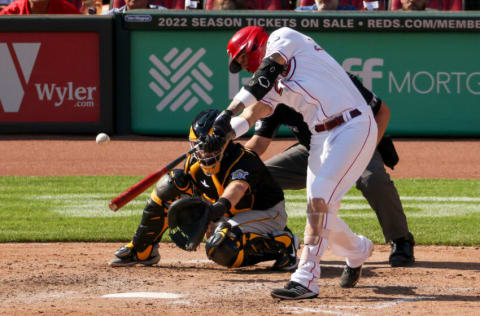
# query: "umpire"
[289,169]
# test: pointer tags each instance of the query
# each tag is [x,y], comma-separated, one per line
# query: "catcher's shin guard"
[171,186]
[232,248]
[151,228]
[154,220]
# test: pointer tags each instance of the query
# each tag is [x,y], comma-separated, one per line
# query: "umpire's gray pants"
[289,169]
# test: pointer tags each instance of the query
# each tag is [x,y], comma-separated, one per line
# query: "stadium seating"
[382,4]
[262,4]
[170,4]
[441,5]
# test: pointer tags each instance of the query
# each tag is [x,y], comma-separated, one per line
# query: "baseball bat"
[145,183]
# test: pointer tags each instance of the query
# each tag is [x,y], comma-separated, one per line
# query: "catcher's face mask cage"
[202,126]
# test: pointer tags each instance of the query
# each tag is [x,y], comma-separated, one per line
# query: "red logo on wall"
[49,77]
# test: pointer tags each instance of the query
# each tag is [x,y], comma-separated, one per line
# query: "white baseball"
[102,139]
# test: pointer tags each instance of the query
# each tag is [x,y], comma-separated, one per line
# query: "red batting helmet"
[249,40]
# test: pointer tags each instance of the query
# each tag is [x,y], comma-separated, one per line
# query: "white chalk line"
[412,209]
[96,205]
[378,306]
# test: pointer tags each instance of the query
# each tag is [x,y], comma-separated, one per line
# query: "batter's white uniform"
[317,86]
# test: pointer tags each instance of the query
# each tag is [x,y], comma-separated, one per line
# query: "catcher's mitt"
[188,222]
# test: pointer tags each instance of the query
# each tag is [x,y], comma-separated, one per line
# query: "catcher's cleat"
[402,252]
[293,291]
[127,256]
[289,261]
[350,276]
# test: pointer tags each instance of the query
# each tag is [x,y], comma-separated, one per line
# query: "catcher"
[231,188]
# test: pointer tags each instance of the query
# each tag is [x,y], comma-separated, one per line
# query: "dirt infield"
[74,279]
[56,156]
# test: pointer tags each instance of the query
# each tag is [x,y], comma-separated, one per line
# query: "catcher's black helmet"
[202,126]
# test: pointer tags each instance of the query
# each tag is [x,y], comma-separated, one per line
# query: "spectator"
[472,5]
[77,4]
[230,5]
[428,5]
[326,5]
[4,3]
[135,4]
[250,5]
[168,4]
[27,7]
[374,5]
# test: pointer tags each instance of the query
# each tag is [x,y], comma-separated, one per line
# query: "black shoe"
[402,252]
[350,276]
[127,257]
[289,261]
[293,291]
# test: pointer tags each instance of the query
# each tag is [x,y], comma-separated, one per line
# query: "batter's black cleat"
[350,276]
[402,252]
[293,291]
[289,261]
[127,256]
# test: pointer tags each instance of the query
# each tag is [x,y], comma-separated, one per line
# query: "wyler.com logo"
[49,77]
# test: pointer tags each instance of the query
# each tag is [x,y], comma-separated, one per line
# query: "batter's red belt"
[339,120]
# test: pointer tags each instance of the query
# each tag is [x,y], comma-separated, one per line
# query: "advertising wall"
[426,68]
[32,92]
[51,81]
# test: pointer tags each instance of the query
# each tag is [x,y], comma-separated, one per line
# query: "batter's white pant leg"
[308,271]
[336,161]
[345,243]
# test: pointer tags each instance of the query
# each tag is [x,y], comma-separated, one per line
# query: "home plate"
[143,295]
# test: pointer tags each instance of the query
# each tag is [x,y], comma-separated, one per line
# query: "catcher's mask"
[251,41]
[202,126]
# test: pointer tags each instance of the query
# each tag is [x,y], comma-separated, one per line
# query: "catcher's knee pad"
[152,226]
[316,212]
[232,248]
[284,238]
[224,246]
[171,186]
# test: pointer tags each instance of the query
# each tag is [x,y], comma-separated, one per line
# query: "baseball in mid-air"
[102,139]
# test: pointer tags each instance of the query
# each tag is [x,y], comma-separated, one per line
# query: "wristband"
[219,208]
[245,97]
[239,125]
[225,203]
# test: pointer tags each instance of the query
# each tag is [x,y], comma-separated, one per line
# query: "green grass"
[439,212]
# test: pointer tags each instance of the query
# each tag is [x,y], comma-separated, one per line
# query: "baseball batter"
[289,169]
[290,68]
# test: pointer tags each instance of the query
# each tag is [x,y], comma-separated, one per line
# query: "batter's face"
[414,5]
[242,60]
